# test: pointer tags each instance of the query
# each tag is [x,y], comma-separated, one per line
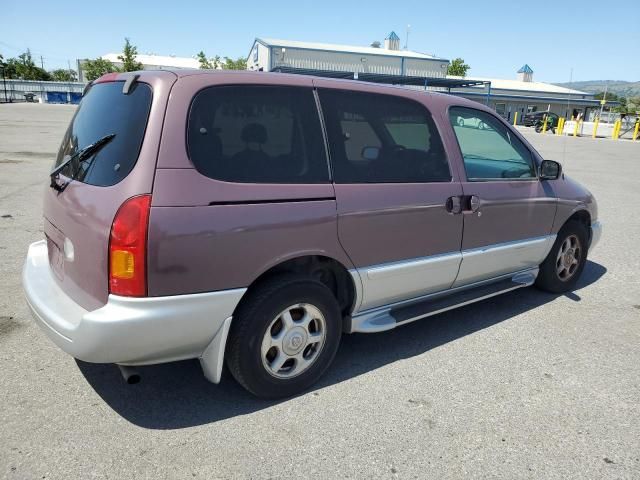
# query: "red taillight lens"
[128,248]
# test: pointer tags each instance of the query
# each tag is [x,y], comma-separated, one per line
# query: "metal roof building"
[149,62]
[156,62]
[524,95]
[391,65]
[269,54]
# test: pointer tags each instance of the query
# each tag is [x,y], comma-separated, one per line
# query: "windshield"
[105,111]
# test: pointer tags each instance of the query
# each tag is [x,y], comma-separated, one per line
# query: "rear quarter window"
[257,134]
[105,110]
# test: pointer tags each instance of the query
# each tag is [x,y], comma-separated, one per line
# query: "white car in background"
[472,123]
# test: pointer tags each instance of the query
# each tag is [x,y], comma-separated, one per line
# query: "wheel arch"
[568,211]
[582,216]
[328,270]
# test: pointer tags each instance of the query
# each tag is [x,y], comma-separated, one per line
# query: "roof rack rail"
[447,83]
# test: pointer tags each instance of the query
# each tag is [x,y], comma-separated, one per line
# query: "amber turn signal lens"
[122,264]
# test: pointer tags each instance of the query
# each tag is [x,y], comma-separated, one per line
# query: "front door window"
[492,152]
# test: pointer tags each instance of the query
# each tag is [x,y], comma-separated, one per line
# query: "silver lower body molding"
[130,331]
[390,316]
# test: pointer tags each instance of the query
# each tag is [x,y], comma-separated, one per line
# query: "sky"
[558,39]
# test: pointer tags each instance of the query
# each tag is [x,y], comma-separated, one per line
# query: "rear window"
[257,134]
[105,110]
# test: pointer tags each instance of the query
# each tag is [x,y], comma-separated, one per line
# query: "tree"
[215,63]
[633,105]
[239,64]
[627,105]
[98,67]
[458,68]
[208,63]
[128,58]
[611,97]
[203,61]
[63,75]
[25,68]
[5,67]
[376,44]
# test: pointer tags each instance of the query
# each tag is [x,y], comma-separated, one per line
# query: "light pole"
[4,81]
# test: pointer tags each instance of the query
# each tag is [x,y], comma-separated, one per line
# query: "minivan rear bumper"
[127,330]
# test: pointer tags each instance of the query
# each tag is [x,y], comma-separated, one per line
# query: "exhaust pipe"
[129,374]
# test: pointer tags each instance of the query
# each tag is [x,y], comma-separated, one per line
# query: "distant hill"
[619,87]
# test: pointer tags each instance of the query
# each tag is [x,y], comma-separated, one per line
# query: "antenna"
[406,43]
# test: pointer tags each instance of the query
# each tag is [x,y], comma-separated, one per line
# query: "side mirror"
[370,153]
[549,170]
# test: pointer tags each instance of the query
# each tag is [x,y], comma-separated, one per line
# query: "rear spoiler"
[112,77]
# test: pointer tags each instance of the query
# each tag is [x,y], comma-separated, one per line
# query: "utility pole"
[70,78]
[569,95]
[604,98]
[42,62]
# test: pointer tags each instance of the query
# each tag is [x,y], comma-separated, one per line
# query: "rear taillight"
[128,248]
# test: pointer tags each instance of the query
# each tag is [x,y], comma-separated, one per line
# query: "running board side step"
[387,318]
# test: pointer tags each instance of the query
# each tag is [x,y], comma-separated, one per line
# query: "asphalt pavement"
[525,385]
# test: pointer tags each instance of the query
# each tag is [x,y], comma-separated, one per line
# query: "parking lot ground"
[526,385]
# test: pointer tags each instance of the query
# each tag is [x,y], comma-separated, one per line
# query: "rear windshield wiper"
[81,156]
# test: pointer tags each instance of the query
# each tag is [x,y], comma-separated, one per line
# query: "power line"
[35,52]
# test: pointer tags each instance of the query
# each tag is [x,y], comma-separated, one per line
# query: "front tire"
[563,266]
[284,336]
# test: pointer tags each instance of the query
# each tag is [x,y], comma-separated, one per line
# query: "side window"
[490,151]
[361,135]
[257,134]
[377,138]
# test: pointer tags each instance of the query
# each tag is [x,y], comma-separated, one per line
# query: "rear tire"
[563,266]
[284,336]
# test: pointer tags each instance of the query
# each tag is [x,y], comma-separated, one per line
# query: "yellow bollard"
[616,130]
[560,127]
[575,128]
[636,130]
[595,127]
[544,125]
[515,118]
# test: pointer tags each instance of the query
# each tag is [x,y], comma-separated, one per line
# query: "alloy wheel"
[293,341]
[569,257]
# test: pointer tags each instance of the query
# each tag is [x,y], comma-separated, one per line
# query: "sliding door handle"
[463,204]
[474,203]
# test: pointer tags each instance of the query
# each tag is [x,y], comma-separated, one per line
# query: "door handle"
[463,204]
[474,203]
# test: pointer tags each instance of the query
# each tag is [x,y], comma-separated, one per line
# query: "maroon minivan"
[252,218]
